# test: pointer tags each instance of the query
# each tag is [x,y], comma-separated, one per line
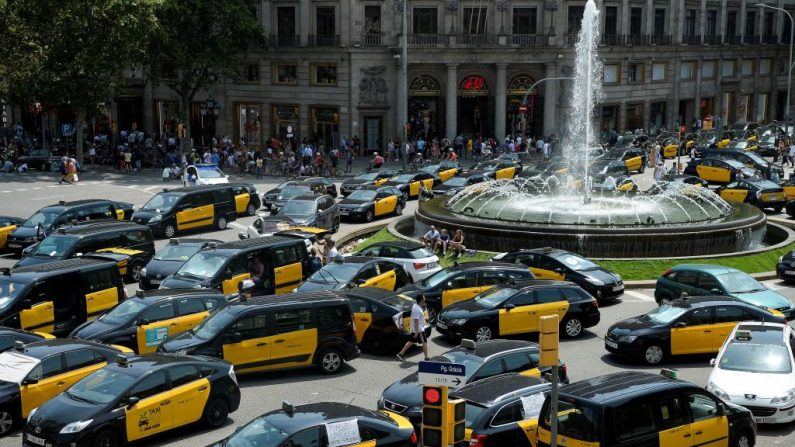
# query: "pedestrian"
[62,167]
[315,263]
[92,153]
[127,160]
[377,161]
[334,157]
[331,252]
[417,328]
[792,153]
[259,163]
[349,156]
[71,172]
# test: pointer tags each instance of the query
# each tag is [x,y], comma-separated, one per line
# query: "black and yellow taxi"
[609,183]
[639,409]
[608,167]
[324,424]
[445,169]
[671,147]
[47,219]
[545,169]
[502,410]
[357,271]
[692,325]
[369,202]
[269,333]
[750,159]
[134,398]
[57,297]
[497,169]
[410,183]
[367,178]
[748,144]
[482,360]
[306,185]
[169,259]
[634,158]
[178,210]
[7,225]
[34,373]
[247,200]
[562,265]
[9,335]
[459,182]
[789,187]
[717,171]
[514,309]
[144,320]
[462,282]
[375,314]
[755,191]
[284,264]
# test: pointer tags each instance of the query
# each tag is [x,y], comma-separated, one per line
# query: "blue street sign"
[451,375]
[67,129]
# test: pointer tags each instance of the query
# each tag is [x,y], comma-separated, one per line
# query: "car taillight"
[667,272]
[478,440]
[562,371]
[413,438]
[353,322]
[419,265]
[595,304]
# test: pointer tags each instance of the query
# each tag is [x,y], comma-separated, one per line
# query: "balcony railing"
[613,39]
[713,40]
[571,40]
[371,40]
[751,40]
[283,40]
[324,40]
[661,39]
[691,39]
[477,40]
[637,39]
[530,40]
[733,40]
[429,39]
[770,39]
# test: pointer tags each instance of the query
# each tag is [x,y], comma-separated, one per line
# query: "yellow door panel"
[545,437]
[195,217]
[428,184]
[231,285]
[519,320]
[414,189]
[100,301]
[33,395]
[150,335]
[287,277]
[40,317]
[677,436]
[362,320]
[380,182]
[690,143]
[4,232]
[185,322]
[634,163]
[149,416]
[189,401]
[720,331]
[535,372]
[669,151]
[467,434]
[547,274]
[385,205]
[692,339]
[446,175]
[455,295]
[558,308]
[384,281]
[249,355]
[293,348]
[734,195]
[370,443]
[528,427]
[505,173]
[121,251]
[712,432]
[722,175]
[241,202]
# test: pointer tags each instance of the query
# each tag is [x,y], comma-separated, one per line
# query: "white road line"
[638,295]
[6,192]
[54,186]
[23,189]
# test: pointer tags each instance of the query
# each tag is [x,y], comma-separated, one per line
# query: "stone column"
[550,99]
[344,15]
[702,19]
[304,9]
[500,103]
[741,25]
[673,114]
[780,18]
[451,102]
[722,25]
[649,18]
[624,18]
[760,24]
[697,97]
[679,20]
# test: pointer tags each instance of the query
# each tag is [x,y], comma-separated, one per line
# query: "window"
[284,74]
[150,385]
[323,74]
[524,20]
[690,23]
[467,279]
[635,20]
[635,73]
[286,255]
[491,368]
[522,299]
[707,282]
[99,280]
[769,29]
[79,358]
[372,19]
[251,327]
[250,73]
[518,363]
[310,437]
[730,314]
[325,21]
[698,316]
[211,303]
[180,375]
[702,407]
[687,70]
[332,316]
[750,24]
[547,295]
[50,366]
[99,212]
[611,20]
[474,21]
[731,23]
[611,73]
[708,70]
[575,19]
[424,21]
[670,413]
[659,72]
[158,312]
[359,305]
[292,320]
[187,306]
[747,67]
[633,419]
[764,67]
[712,22]
[285,22]
[136,237]
[492,278]
[659,22]
[508,414]
[727,68]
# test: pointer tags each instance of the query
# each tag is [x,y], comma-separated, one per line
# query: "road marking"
[149,188]
[23,189]
[6,192]
[238,226]
[638,295]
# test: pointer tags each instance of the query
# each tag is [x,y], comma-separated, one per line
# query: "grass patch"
[634,269]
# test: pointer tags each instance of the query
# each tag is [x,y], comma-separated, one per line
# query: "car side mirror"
[449,285]
[716,291]
[26,303]
[509,307]
[722,409]
[234,337]
[711,362]
[30,381]
[132,401]
[142,322]
[359,282]
[246,286]
[681,324]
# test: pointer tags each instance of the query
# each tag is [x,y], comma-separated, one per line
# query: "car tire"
[336,225]
[398,209]
[653,354]
[405,195]
[134,271]
[221,223]
[744,439]
[483,333]
[572,327]
[330,361]
[369,216]
[169,231]
[7,420]
[215,413]
[375,344]
[106,438]
[251,209]
[433,313]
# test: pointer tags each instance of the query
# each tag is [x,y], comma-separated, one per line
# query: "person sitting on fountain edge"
[443,242]
[457,244]
[430,238]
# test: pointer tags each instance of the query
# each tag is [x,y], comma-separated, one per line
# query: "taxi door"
[734,193]
[155,325]
[543,302]
[463,287]
[447,174]
[294,339]
[385,278]
[385,203]
[199,212]
[414,188]
[669,151]
[726,318]
[39,315]
[231,285]
[692,333]
[247,343]
[154,412]
[189,395]
[521,317]
[242,197]
[362,317]
[545,268]
[287,277]
[633,163]
[190,312]
[709,428]
[505,173]
[100,301]
[428,183]
[789,190]
[4,232]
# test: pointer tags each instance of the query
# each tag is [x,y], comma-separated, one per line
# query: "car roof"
[259,242]
[59,267]
[288,299]
[99,227]
[360,259]
[43,348]
[140,365]
[408,245]
[371,293]
[707,268]
[152,296]
[63,205]
[618,386]
[706,301]
[189,240]
[307,197]
[464,266]
[539,284]
[489,348]
[762,333]
[199,188]
[486,392]
[310,415]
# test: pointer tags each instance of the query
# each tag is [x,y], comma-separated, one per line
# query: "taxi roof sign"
[122,360]
[19,345]
[287,407]
[467,343]
[669,373]
[742,335]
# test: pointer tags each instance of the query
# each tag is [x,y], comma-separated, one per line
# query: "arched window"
[519,85]
[424,85]
[473,86]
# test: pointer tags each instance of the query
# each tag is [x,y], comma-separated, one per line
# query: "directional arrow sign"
[451,375]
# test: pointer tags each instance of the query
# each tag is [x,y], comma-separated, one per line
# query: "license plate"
[441,326]
[617,288]
[433,265]
[789,272]
[765,420]
[344,213]
[35,440]
[611,344]
[14,245]
[155,282]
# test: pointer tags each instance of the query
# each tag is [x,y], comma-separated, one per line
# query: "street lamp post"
[789,72]
[209,109]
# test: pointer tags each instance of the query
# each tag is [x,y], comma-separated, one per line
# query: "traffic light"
[549,340]
[456,422]
[434,416]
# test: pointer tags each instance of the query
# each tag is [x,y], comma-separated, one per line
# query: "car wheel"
[215,413]
[432,315]
[398,209]
[336,226]
[572,327]
[483,333]
[251,209]
[653,354]
[405,195]
[375,344]
[221,223]
[369,216]
[743,440]
[106,438]
[330,361]
[6,421]
[134,272]
[778,208]
[169,231]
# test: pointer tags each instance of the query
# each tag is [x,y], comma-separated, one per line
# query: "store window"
[747,67]
[634,117]
[659,72]
[611,74]
[250,73]
[609,117]
[325,125]
[324,74]
[372,19]
[249,128]
[282,117]
[285,74]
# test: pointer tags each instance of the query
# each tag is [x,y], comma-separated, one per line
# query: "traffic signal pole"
[549,340]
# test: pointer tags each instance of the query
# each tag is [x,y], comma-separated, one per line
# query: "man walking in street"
[417,326]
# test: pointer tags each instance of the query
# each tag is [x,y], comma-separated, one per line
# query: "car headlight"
[627,338]
[716,390]
[780,258]
[157,218]
[76,427]
[785,398]
[182,352]
[143,272]
[279,198]
[30,415]
[197,286]
[594,281]
[458,321]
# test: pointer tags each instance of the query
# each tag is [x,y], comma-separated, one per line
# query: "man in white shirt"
[417,326]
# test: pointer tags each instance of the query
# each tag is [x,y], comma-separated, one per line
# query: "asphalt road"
[362,381]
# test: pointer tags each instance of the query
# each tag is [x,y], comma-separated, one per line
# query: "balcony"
[478,40]
[529,40]
[613,39]
[283,40]
[713,40]
[571,39]
[691,40]
[637,40]
[733,40]
[324,40]
[660,39]
[770,39]
[371,40]
[429,39]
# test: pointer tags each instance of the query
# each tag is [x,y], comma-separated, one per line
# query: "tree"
[72,52]
[198,43]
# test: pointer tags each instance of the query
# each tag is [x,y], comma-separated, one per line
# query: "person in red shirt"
[451,155]
[377,161]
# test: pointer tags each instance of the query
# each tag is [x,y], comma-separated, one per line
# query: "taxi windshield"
[44,218]
[177,252]
[369,176]
[403,178]
[362,194]
[163,201]
[494,296]
[293,191]
[577,263]
[470,361]
[575,420]
[665,314]
[755,358]
[456,181]
[55,246]
[124,312]
[335,273]
[299,207]
[399,301]
[202,265]
[101,387]
[14,366]
[213,326]
[9,290]
[257,433]
[739,282]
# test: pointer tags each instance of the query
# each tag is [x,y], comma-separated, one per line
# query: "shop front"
[524,118]
[425,107]
[474,107]
[325,125]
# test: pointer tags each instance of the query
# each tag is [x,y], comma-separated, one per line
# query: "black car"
[445,169]
[156,392]
[545,169]
[290,191]
[169,259]
[608,167]
[755,191]
[749,159]
[309,424]
[9,335]
[634,158]
[459,182]
[367,179]
[768,146]
[516,309]
[410,183]
[307,210]
[482,360]
[562,265]
[269,198]
[718,171]
[693,325]
[688,180]
[369,202]
[357,271]
[497,169]
[785,267]
[40,159]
